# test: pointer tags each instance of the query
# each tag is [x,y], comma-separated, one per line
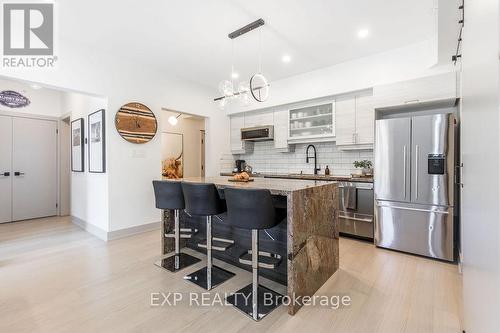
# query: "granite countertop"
[276,186]
[309,177]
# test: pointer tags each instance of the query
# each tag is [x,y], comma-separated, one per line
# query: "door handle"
[5,174]
[416,170]
[404,171]
[17,173]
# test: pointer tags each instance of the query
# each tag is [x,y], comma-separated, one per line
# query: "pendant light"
[257,87]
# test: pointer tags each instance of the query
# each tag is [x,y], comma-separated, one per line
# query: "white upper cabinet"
[442,86]
[237,122]
[258,118]
[354,122]
[281,131]
[312,123]
[345,120]
[278,118]
[365,121]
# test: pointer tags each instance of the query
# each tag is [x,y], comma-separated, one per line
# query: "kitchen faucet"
[316,169]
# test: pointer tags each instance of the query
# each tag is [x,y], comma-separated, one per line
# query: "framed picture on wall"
[172,155]
[97,142]
[77,145]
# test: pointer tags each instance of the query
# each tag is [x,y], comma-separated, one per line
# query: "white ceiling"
[188,38]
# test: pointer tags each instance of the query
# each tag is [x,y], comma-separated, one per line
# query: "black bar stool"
[203,200]
[168,195]
[253,209]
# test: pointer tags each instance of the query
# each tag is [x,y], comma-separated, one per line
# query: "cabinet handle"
[5,174]
[412,101]
[18,173]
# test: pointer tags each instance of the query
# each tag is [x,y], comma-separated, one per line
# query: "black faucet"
[316,169]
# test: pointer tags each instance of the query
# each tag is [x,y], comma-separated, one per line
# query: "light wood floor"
[54,277]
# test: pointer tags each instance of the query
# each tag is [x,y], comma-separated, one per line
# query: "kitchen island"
[307,241]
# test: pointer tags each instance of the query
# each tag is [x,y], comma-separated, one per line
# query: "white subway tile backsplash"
[264,158]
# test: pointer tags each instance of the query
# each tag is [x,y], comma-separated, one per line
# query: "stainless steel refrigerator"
[414,184]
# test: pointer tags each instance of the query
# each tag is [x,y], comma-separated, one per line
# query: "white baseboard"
[90,228]
[139,229]
[116,234]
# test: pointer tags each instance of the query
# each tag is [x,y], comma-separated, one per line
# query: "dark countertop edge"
[307,177]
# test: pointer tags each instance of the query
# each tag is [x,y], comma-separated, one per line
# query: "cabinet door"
[435,87]
[258,118]
[365,118]
[312,122]
[345,121]
[281,129]
[5,169]
[237,123]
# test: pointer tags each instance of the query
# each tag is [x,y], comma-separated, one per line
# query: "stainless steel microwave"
[260,133]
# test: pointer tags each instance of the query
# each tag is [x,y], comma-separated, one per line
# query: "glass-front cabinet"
[316,121]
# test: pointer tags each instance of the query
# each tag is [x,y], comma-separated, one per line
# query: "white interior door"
[34,164]
[5,169]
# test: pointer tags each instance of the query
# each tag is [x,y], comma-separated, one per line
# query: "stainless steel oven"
[356,209]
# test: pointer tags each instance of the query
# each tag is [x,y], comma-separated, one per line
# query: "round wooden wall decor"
[136,123]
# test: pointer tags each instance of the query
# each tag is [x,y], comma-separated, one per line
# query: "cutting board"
[240,180]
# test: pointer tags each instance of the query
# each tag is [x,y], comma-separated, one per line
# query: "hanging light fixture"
[258,86]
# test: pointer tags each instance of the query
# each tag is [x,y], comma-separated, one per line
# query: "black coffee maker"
[240,165]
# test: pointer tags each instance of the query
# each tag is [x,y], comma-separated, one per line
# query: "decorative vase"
[367,171]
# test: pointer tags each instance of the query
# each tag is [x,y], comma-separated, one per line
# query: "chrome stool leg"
[264,300]
[179,260]
[255,273]
[210,276]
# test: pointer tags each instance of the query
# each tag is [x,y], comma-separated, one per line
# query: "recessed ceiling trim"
[246,28]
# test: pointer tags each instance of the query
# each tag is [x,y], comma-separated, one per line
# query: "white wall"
[44,102]
[190,128]
[131,167]
[480,129]
[89,191]
[410,62]
[64,168]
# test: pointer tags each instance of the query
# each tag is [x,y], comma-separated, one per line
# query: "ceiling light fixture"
[173,119]
[257,87]
[286,58]
[363,33]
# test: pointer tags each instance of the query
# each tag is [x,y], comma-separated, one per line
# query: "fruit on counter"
[241,176]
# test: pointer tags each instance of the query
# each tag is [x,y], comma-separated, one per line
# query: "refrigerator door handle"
[404,171]
[416,170]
